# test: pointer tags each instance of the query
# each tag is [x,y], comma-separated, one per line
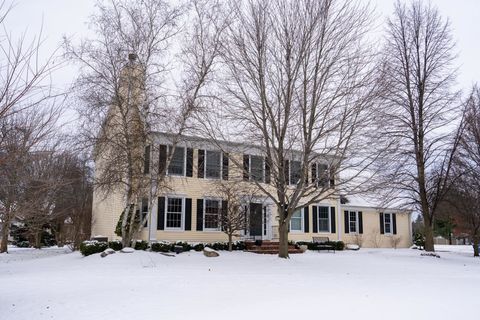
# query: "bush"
[115,245]
[23,244]
[419,240]
[141,245]
[338,245]
[91,247]
[185,245]
[161,246]
[198,247]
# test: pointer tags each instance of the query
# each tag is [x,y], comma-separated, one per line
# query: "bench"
[322,243]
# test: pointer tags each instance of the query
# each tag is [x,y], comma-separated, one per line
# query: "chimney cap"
[132,56]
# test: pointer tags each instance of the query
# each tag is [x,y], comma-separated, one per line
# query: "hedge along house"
[189,207]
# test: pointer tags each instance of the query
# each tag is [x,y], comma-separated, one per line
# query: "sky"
[70,17]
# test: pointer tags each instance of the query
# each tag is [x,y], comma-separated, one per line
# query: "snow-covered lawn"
[366,284]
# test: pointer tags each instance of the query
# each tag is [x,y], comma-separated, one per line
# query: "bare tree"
[463,199]
[21,134]
[296,78]
[24,76]
[235,195]
[418,106]
[127,100]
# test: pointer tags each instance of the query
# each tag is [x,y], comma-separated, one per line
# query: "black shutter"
[286,171]
[314,172]
[188,214]
[267,171]
[246,167]
[333,228]
[146,160]
[144,211]
[332,177]
[189,172]
[346,220]
[306,220]
[161,213]
[225,166]
[394,221]
[162,159]
[199,214]
[201,163]
[382,226]
[314,219]
[224,209]
[360,222]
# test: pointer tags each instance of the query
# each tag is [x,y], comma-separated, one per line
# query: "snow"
[364,284]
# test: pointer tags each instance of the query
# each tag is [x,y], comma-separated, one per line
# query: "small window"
[177,164]
[212,215]
[323,175]
[353,221]
[144,211]
[296,222]
[256,168]
[387,222]
[213,164]
[174,213]
[323,219]
[295,172]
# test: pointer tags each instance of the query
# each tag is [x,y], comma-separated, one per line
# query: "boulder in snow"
[303,247]
[209,252]
[109,251]
[352,246]
[127,250]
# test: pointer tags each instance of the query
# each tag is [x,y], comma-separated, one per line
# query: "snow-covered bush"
[91,247]
[162,246]
[115,245]
[141,245]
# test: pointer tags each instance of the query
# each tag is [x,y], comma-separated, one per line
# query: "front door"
[255,221]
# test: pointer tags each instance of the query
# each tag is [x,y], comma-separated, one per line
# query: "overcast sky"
[69,17]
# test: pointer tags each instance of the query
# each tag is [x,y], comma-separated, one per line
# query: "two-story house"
[189,208]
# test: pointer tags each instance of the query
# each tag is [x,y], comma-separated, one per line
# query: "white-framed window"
[322,175]
[353,221]
[387,223]
[296,222]
[323,219]
[177,164]
[257,168]
[174,213]
[213,164]
[212,210]
[144,212]
[295,172]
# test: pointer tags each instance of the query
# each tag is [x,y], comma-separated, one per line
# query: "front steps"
[268,247]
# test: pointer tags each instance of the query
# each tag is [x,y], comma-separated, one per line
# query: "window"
[387,222]
[177,163]
[212,214]
[213,164]
[296,222]
[295,172]
[146,160]
[256,168]
[174,213]
[144,211]
[322,173]
[323,219]
[353,221]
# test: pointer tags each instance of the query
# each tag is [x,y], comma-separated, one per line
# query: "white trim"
[184,162]
[182,221]
[329,218]
[205,165]
[302,222]
[219,229]
[391,223]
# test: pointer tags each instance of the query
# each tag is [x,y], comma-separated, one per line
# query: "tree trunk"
[429,245]
[283,244]
[230,242]
[476,241]
[4,241]
[38,240]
